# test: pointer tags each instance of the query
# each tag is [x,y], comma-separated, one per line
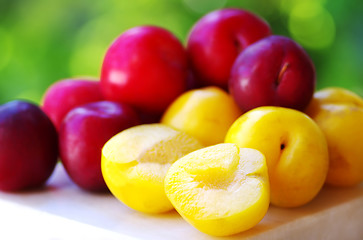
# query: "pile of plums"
[143,71]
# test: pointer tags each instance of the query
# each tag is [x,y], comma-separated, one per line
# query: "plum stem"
[282,71]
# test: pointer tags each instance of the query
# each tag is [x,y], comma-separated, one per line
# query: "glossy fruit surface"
[295,149]
[64,95]
[339,113]
[82,135]
[205,113]
[216,40]
[274,71]
[145,67]
[28,146]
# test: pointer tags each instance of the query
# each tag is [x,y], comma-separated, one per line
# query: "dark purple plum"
[28,146]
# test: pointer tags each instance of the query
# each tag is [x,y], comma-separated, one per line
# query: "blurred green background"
[43,41]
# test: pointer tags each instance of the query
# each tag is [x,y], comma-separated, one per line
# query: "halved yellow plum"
[135,161]
[221,190]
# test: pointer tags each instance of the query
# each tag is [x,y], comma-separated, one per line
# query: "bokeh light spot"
[312,25]
[90,47]
[204,6]
[287,5]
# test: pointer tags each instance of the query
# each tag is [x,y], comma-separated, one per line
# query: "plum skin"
[274,71]
[82,134]
[28,146]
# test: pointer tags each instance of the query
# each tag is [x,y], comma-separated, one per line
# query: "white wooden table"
[63,211]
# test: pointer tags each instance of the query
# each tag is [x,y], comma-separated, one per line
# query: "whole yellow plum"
[339,113]
[295,149]
[205,114]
